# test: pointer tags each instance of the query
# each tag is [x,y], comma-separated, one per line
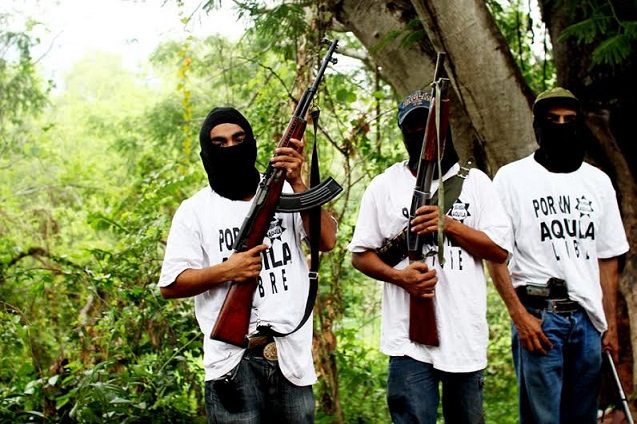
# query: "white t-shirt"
[202,234]
[562,224]
[460,300]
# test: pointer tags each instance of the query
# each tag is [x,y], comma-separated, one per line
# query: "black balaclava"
[413,142]
[562,146]
[231,171]
[561,149]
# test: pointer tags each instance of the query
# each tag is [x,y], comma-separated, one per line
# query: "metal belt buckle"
[551,303]
[553,306]
[270,352]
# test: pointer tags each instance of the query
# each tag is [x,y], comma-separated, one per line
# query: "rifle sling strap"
[315,234]
[452,189]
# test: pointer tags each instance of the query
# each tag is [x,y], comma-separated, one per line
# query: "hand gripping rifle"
[422,314]
[618,386]
[233,322]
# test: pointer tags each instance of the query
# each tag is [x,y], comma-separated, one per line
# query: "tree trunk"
[491,102]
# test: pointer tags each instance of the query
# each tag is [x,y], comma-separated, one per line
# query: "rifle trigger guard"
[316,196]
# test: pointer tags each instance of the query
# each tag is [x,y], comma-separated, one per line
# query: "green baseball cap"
[555,97]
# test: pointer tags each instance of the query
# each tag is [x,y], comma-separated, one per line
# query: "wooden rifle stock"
[423,328]
[233,322]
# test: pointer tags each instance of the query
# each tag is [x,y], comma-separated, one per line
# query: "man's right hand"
[532,338]
[418,280]
[244,266]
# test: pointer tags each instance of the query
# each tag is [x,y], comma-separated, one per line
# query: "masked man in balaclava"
[475,227]
[271,380]
[561,283]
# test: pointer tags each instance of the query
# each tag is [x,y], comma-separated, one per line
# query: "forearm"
[529,327]
[327,239]
[502,282]
[192,282]
[608,278]
[328,223]
[370,264]
[474,241]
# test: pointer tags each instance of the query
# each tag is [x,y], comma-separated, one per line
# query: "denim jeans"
[561,386]
[413,394]
[257,392]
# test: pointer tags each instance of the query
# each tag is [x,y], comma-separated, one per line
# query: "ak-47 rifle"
[618,387]
[233,322]
[422,315]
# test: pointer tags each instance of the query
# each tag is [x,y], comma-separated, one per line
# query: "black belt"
[262,347]
[558,306]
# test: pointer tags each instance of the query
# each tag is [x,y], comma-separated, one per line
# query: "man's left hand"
[291,160]
[426,220]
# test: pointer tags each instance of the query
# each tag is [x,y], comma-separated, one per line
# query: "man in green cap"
[561,282]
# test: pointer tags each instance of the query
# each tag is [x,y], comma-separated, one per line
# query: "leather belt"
[558,306]
[263,347]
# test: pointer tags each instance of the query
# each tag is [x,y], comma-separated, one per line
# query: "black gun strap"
[315,234]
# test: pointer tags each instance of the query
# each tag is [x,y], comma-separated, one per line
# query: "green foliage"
[500,390]
[362,376]
[527,40]
[613,36]
[412,33]
[22,91]
[87,201]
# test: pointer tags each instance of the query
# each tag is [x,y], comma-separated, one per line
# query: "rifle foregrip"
[414,241]
[295,129]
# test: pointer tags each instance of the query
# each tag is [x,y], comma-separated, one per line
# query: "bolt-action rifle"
[233,322]
[422,315]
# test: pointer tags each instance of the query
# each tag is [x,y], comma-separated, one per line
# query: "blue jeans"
[257,392]
[561,386]
[413,394]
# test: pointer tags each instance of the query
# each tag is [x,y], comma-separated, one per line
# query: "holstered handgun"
[555,288]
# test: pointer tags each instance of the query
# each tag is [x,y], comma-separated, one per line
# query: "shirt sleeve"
[612,241]
[367,234]
[183,247]
[494,220]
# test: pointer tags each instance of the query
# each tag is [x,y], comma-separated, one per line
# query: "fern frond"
[613,51]
[587,30]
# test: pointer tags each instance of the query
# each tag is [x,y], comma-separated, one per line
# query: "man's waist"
[548,298]
[262,346]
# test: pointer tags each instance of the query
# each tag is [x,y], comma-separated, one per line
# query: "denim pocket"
[228,391]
